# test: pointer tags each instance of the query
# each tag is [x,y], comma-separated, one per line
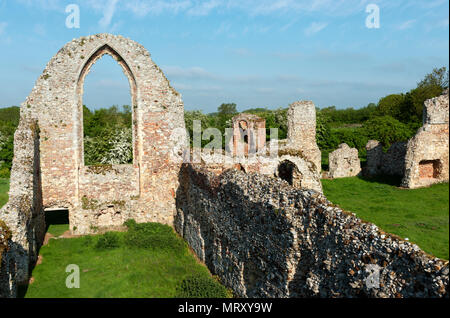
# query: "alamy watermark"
[373,19]
[373,280]
[73,279]
[73,19]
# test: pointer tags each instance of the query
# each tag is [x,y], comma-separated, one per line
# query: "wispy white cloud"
[156,7]
[3,26]
[406,25]
[204,8]
[108,13]
[39,29]
[242,52]
[315,27]
[194,72]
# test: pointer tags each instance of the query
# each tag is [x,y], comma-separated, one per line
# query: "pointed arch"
[98,54]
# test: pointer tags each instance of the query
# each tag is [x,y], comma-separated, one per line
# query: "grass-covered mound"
[149,260]
[421,215]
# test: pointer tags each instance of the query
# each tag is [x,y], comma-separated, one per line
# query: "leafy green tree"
[387,130]
[227,109]
[391,105]
[438,77]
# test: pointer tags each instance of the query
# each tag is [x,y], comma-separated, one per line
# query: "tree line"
[396,117]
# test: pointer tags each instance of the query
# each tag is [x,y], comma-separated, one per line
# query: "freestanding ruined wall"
[302,131]
[344,162]
[106,196]
[264,238]
[427,155]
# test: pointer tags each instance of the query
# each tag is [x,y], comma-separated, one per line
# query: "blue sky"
[255,53]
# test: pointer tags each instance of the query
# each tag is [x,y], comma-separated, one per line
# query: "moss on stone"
[88,204]
[5,235]
[100,169]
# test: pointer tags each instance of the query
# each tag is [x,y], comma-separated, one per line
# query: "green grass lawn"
[4,188]
[421,215]
[154,268]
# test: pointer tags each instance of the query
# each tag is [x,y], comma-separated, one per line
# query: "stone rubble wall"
[8,288]
[305,178]
[429,148]
[344,162]
[264,238]
[391,162]
[23,214]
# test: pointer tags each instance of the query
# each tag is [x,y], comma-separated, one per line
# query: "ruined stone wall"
[391,162]
[8,286]
[304,174]
[344,162]
[427,155]
[264,238]
[157,112]
[23,214]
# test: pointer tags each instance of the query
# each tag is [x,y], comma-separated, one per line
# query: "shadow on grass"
[60,217]
[389,180]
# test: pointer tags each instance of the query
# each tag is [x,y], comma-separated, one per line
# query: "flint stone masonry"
[264,238]
[23,214]
[7,282]
[391,162]
[344,162]
[427,155]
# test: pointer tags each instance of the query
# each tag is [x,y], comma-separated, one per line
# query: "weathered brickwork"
[249,134]
[426,160]
[391,162]
[264,238]
[344,162]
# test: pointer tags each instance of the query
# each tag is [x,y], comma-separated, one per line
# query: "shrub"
[87,240]
[387,130]
[201,286]
[152,236]
[108,240]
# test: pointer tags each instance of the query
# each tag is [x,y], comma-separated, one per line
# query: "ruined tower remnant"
[249,134]
[426,160]
[344,162]
[302,131]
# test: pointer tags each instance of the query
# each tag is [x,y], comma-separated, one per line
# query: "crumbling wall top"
[436,110]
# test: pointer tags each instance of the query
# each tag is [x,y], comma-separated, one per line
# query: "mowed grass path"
[421,215]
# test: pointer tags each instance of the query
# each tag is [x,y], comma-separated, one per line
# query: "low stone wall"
[264,238]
